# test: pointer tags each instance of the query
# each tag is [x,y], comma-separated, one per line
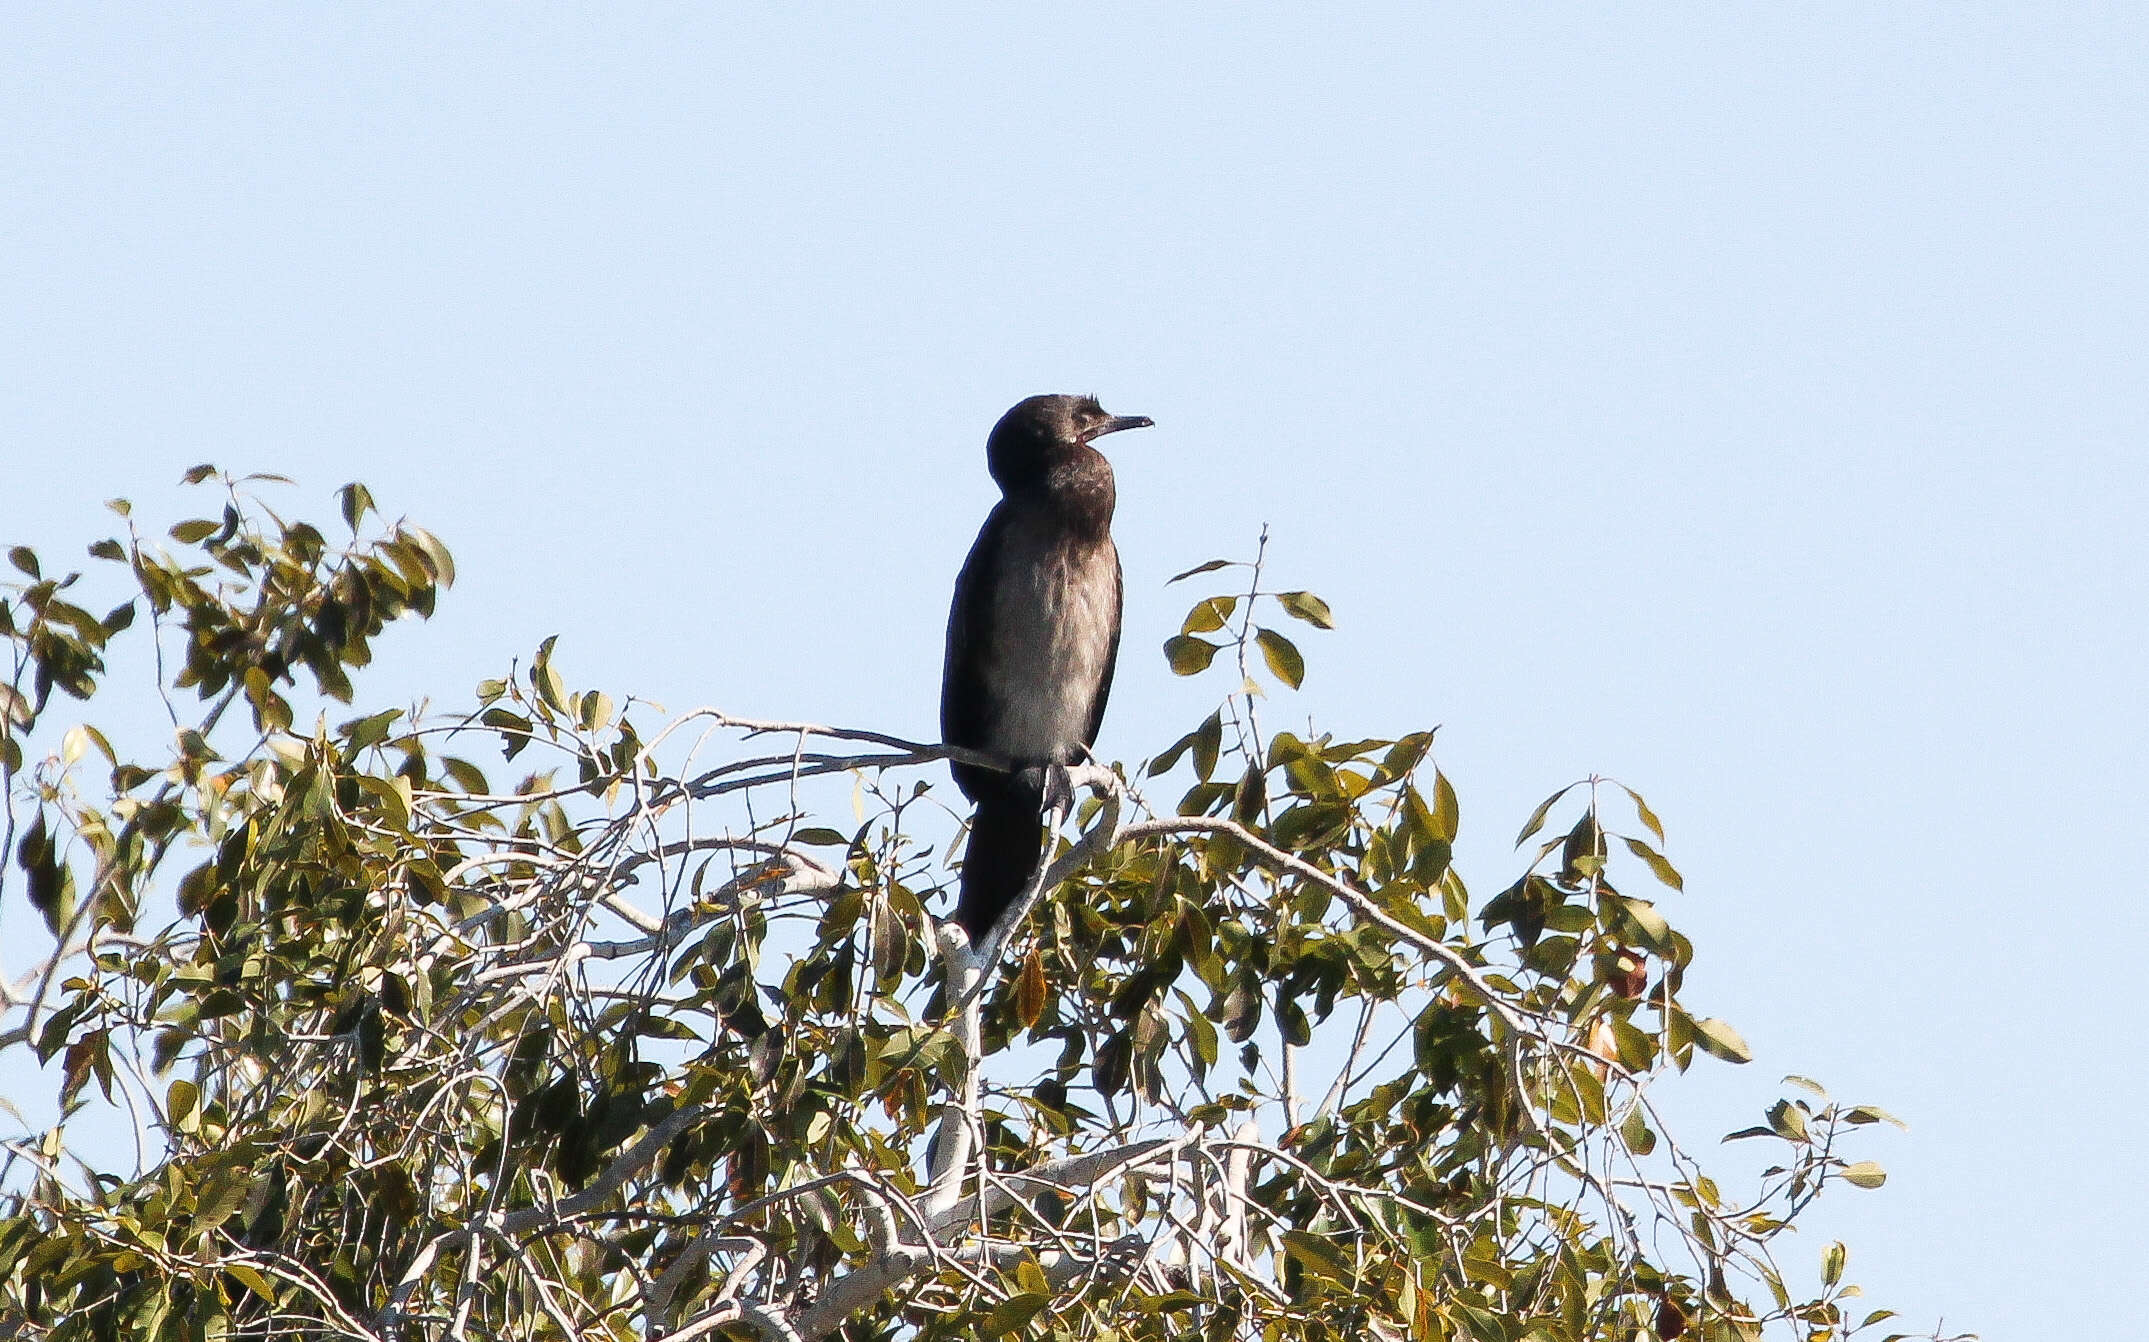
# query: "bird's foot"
[1059,790]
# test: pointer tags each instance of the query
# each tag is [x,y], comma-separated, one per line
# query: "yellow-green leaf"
[1030,1276]
[1447,810]
[1718,1039]
[357,500]
[181,1100]
[1634,1131]
[1641,808]
[436,555]
[1317,1256]
[1282,657]
[1189,656]
[1210,615]
[1308,607]
[226,1193]
[1664,870]
[1788,1121]
[1015,1311]
[1649,925]
[252,1279]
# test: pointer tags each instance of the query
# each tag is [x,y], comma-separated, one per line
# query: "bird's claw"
[1059,789]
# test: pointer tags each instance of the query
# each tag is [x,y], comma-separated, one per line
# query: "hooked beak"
[1118,422]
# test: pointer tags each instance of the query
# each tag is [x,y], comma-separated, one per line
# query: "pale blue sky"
[1748,406]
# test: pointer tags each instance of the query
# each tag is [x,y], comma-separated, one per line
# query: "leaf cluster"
[523,1021]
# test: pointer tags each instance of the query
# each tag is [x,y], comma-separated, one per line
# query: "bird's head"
[1044,431]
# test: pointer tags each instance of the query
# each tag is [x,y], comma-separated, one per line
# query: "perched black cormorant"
[1032,637]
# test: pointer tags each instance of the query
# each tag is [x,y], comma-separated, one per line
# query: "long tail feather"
[1006,839]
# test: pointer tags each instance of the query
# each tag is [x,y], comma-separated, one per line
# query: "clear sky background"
[1748,406]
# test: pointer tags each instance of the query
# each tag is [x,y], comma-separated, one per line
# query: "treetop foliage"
[556,1017]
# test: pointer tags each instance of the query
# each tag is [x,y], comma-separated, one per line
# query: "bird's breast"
[1055,614]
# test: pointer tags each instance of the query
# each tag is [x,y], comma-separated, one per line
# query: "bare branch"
[624,1166]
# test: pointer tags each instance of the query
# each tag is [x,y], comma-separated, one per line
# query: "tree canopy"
[554,1016]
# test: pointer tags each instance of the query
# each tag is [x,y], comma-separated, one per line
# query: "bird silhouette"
[1033,636]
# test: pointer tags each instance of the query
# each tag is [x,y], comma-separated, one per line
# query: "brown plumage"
[1033,635]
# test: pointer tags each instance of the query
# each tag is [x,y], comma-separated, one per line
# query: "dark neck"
[1075,486]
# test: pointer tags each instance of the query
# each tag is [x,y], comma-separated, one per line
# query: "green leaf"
[199,528]
[357,501]
[1030,1276]
[1404,756]
[1787,1121]
[1318,1256]
[1832,1260]
[1664,870]
[252,1279]
[551,688]
[198,474]
[1208,744]
[1866,1113]
[1209,567]
[1189,656]
[80,738]
[437,558]
[1536,821]
[227,1192]
[1641,808]
[1291,1023]
[1634,1132]
[1163,763]
[1649,927]
[1282,657]
[1200,1038]
[50,882]
[1308,607]
[370,730]
[1718,1039]
[514,729]
[1014,1312]
[1865,1174]
[24,558]
[181,1100]
[394,805]
[1447,811]
[595,710]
